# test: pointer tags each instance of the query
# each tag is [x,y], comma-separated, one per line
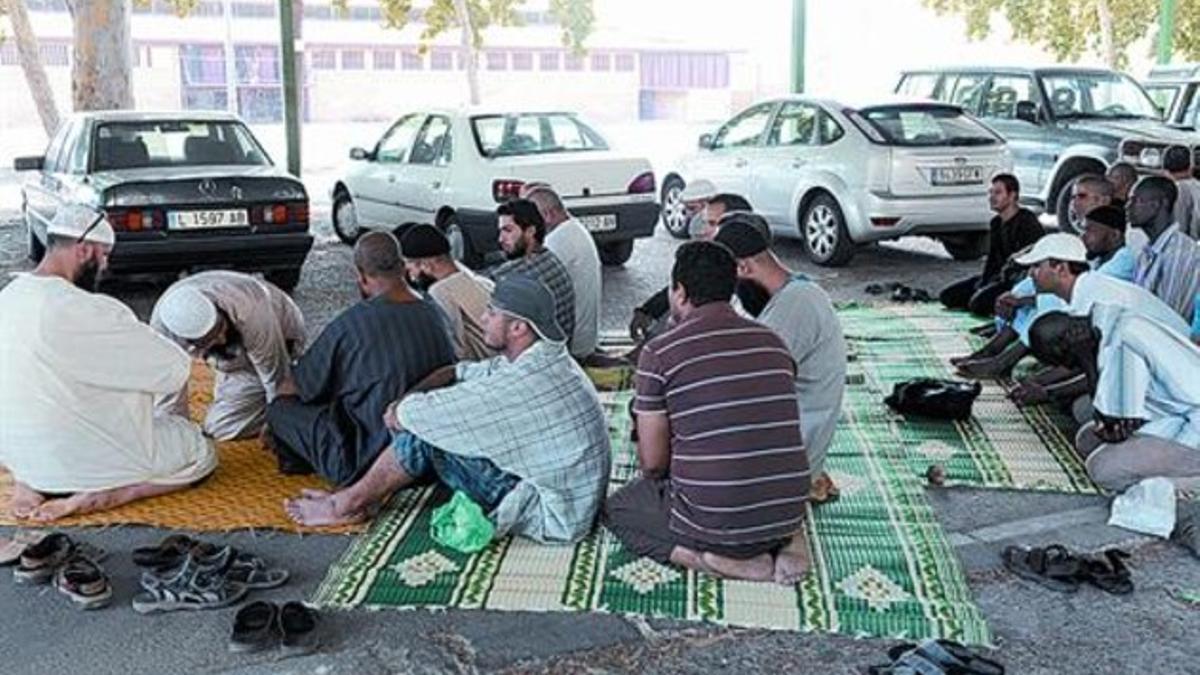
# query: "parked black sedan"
[183,191]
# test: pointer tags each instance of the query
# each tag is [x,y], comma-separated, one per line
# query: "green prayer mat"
[1001,446]
[882,566]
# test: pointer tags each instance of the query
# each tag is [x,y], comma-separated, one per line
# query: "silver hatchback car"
[838,176]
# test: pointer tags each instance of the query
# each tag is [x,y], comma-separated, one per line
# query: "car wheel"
[345,219]
[674,216]
[37,250]
[970,246]
[1068,221]
[286,280]
[823,230]
[616,252]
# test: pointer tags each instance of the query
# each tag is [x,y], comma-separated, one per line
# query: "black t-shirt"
[1008,237]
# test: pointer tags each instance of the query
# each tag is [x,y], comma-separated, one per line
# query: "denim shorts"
[484,482]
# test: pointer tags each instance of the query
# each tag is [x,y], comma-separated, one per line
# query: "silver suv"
[1176,91]
[1060,122]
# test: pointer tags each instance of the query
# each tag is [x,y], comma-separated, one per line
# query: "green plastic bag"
[461,525]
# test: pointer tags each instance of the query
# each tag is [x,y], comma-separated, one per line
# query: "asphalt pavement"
[1036,631]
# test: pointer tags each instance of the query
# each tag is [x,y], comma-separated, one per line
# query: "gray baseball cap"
[523,297]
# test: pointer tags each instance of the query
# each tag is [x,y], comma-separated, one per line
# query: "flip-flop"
[949,656]
[1110,574]
[1052,567]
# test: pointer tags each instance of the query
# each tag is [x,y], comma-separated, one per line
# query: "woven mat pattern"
[245,492]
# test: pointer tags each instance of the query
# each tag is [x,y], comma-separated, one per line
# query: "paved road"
[1037,631]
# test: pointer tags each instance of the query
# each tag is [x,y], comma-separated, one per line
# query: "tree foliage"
[1067,28]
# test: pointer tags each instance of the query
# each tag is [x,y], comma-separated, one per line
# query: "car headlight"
[1150,157]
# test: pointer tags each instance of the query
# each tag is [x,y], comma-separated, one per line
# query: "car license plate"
[958,175]
[190,220]
[602,223]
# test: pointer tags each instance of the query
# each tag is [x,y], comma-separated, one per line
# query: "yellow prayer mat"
[245,492]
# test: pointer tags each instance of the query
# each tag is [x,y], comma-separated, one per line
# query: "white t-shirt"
[78,375]
[1095,288]
[574,246]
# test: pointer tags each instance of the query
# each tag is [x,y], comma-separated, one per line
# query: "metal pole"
[291,106]
[1166,31]
[231,85]
[799,15]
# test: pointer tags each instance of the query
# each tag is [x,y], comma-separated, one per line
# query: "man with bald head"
[246,329]
[78,376]
[328,418]
[1123,176]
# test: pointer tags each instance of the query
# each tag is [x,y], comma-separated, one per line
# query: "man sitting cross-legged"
[78,376]
[522,434]
[328,418]
[1147,400]
[725,476]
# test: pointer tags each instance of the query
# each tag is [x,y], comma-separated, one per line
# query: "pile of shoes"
[182,573]
[72,567]
[899,292]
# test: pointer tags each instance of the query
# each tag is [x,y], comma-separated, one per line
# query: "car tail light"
[298,213]
[275,214]
[134,220]
[884,222]
[506,189]
[642,184]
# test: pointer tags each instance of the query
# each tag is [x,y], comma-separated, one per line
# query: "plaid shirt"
[548,269]
[537,417]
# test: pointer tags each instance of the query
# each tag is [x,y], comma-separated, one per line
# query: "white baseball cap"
[1057,246]
[187,312]
[75,221]
[696,190]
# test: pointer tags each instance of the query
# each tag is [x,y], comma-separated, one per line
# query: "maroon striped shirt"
[739,473]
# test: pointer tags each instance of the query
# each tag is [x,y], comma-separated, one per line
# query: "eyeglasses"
[99,219]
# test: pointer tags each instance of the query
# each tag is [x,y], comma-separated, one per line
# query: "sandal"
[11,549]
[1109,575]
[39,560]
[167,553]
[948,656]
[239,566]
[254,627]
[298,625]
[189,587]
[1053,567]
[84,582]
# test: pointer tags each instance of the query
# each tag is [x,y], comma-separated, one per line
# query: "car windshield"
[139,145]
[923,126]
[533,133]
[1097,95]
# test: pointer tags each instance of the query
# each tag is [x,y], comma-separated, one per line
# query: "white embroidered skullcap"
[187,312]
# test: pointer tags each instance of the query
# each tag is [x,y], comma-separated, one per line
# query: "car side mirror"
[1027,111]
[359,154]
[706,141]
[29,163]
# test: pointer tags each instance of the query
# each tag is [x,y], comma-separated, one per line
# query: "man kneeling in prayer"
[725,475]
[1147,395]
[78,377]
[521,434]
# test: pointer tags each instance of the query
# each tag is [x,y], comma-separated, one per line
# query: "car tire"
[674,217]
[823,233]
[345,219]
[1062,209]
[37,250]
[967,246]
[286,280]
[616,253]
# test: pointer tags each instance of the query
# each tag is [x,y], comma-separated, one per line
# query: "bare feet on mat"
[317,511]
[24,501]
[792,561]
[53,509]
[823,490]
[758,568]
[686,557]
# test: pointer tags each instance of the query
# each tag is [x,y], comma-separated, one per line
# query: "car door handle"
[436,184]
[740,163]
[797,163]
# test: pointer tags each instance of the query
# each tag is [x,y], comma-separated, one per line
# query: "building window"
[411,60]
[323,59]
[682,70]
[259,10]
[626,63]
[202,65]
[601,62]
[441,59]
[497,60]
[54,54]
[522,61]
[257,64]
[549,61]
[353,59]
[383,59]
[8,54]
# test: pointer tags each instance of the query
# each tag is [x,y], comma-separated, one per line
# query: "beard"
[518,251]
[422,282]
[88,277]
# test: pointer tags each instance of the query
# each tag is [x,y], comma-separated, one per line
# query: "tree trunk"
[31,64]
[102,74]
[468,49]
[1107,48]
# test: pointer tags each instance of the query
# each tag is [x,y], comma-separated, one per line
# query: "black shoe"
[298,625]
[255,627]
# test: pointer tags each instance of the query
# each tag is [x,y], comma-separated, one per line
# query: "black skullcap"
[424,241]
[1108,216]
[742,237]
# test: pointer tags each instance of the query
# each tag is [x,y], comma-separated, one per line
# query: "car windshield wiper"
[973,140]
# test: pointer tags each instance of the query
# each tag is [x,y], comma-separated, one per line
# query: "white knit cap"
[74,221]
[187,313]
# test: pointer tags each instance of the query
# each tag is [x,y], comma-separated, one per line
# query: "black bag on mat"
[939,399]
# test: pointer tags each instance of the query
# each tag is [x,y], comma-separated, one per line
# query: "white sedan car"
[452,169]
[836,176]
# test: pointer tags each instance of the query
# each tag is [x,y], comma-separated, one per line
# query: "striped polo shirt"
[739,473]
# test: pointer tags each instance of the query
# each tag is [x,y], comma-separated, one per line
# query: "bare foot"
[686,557]
[792,562]
[319,511]
[823,490]
[24,501]
[53,509]
[310,493]
[758,568]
